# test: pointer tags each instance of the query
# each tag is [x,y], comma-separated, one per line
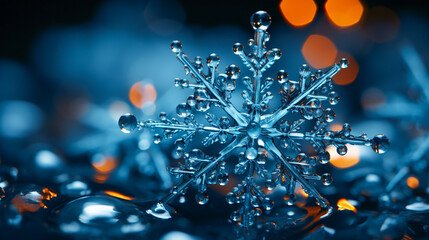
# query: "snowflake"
[256,130]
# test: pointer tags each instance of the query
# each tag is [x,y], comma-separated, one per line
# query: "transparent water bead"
[99,216]
[75,188]
[161,211]
[127,123]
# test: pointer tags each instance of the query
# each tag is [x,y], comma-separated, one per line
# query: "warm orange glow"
[141,94]
[372,97]
[343,204]
[346,161]
[336,127]
[381,24]
[48,194]
[349,74]
[413,182]
[101,177]
[299,191]
[344,13]
[298,12]
[104,164]
[118,195]
[32,201]
[319,51]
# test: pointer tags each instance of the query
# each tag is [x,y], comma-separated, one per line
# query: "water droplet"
[333,98]
[329,115]
[231,198]
[270,184]
[127,123]
[202,198]
[235,216]
[380,143]
[251,153]
[176,46]
[99,216]
[180,144]
[183,110]
[222,179]
[163,116]
[344,63]
[260,20]
[161,211]
[268,204]
[213,60]
[323,157]
[282,76]
[75,188]
[342,150]
[233,72]
[191,101]
[237,48]
[326,179]
[157,138]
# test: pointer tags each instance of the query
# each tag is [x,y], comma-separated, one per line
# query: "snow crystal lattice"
[256,130]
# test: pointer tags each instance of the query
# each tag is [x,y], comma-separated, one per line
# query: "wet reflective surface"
[99,216]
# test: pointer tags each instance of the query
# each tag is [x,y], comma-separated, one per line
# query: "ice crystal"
[256,130]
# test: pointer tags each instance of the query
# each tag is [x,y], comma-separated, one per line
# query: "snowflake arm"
[199,76]
[236,143]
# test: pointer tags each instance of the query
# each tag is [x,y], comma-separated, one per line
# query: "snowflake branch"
[227,106]
[311,190]
[238,142]
[271,119]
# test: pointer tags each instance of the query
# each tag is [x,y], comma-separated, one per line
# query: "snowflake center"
[253,130]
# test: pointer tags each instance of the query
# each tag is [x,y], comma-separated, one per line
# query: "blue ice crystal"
[265,137]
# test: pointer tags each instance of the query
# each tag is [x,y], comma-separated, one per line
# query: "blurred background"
[70,69]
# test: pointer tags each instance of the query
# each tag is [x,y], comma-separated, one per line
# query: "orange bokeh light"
[336,127]
[319,51]
[343,204]
[118,195]
[344,13]
[105,164]
[298,12]
[349,74]
[413,182]
[346,161]
[141,94]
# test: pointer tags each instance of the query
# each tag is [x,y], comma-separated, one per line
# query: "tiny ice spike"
[256,131]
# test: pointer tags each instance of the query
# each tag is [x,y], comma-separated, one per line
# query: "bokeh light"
[142,94]
[413,182]
[343,204]
[118,195]
[349,74]
[104,164]
[319,51]
[349,160]
[344,13]
[298,13]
